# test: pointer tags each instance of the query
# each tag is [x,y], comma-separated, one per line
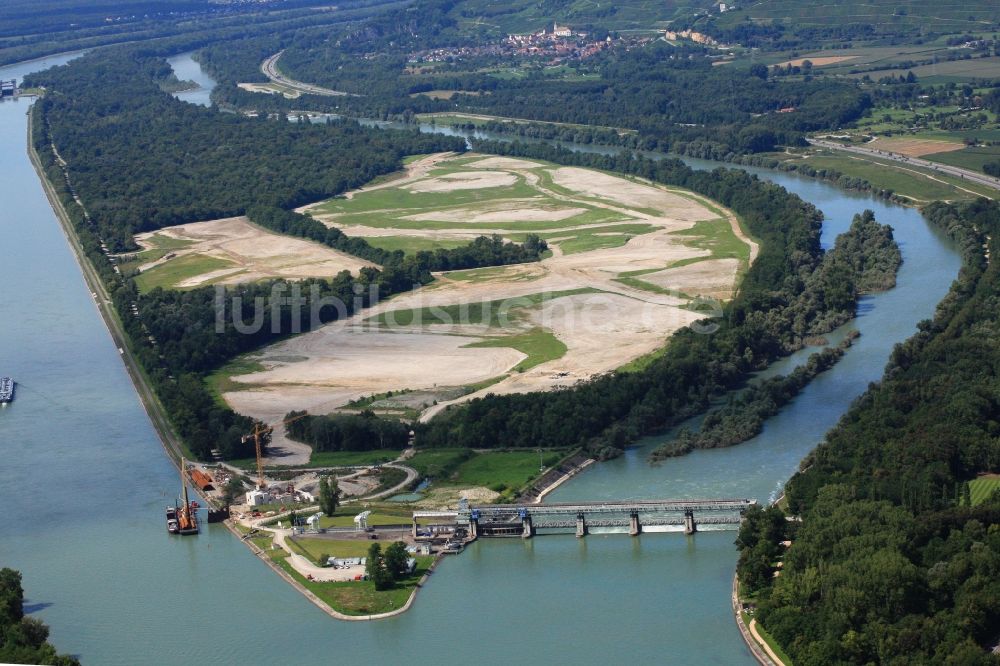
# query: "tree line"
[347,432]
[398,269]
[891,563]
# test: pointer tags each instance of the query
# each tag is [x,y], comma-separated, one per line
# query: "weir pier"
[633,517]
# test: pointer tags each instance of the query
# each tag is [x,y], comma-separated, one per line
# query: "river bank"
[79,432]
[171,443]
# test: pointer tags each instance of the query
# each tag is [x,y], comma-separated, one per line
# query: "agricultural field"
[944,72]
[520,328]
[900,16]
[984,486]
[969,158]
[230,251]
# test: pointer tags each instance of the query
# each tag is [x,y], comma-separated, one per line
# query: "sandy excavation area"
[600,229]
[715,278]
[253,252]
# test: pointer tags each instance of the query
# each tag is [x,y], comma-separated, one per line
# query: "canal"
[84,481]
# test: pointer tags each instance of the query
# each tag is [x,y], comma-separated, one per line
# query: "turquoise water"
[186,69]
[84,481]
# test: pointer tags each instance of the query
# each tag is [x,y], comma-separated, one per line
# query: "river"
[84,481]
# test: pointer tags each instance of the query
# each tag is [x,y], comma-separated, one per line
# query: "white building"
[258,498]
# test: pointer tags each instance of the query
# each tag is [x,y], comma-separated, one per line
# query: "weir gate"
[507,520]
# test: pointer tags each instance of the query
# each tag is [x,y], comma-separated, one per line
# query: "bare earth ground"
[602,329]
[817,61]
[914,147]
[711,277]
[257,253]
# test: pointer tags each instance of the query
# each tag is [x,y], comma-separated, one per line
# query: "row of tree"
[891,563]
[347,432]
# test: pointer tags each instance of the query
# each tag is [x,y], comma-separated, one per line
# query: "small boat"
[6,390]
[172,520]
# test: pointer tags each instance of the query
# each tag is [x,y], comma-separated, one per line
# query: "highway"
[270,69]
[965,174]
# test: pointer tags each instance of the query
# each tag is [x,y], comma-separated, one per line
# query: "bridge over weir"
[497,520]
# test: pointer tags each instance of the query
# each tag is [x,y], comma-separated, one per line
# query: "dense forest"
[347,432]
[772,314]
[891,563]
[120,135]
[23,640]
[116,143]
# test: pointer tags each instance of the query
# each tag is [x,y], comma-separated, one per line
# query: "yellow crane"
[259,430]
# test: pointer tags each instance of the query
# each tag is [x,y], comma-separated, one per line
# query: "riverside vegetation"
[869,258]
[892,562]
[23,640]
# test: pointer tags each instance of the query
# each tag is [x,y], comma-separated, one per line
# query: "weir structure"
[512,520]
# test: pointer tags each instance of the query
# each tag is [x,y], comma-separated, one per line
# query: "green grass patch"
[406,201]
[357,597]
[438,463]
[491,313]
[717,237]
[413,244]
[969,158]
[907,180]
[345,518]
[502,470]
[539,344]
[164,242]
[509,273]
[486,383]
[175,271]
[352,458]
[221,381]
[982,488]
[499,470]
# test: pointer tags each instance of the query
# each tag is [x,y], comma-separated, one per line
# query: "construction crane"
[259,431]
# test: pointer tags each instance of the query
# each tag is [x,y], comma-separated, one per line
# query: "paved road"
[965,174]
[270,69]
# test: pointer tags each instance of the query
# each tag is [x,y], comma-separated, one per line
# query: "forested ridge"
[772,314]
[891,563]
